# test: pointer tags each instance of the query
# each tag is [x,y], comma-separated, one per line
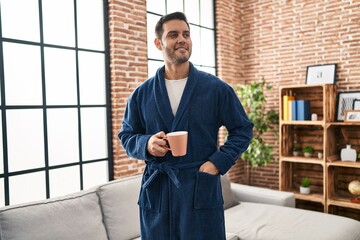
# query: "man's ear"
[158,43]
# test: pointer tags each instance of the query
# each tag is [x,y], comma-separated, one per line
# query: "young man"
[181,197]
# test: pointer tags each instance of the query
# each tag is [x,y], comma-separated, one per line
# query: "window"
[54,124]
[200,14]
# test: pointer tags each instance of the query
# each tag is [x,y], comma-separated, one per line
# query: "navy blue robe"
[176,200]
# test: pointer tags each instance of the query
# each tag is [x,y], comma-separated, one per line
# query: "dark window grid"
[6,173]
[199,65]
[48,168]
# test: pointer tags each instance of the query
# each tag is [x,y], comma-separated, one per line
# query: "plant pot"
[304,190]
[296,153]
[307,154]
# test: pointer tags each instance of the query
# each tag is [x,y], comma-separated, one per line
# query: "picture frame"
[356,104]
[352,116]
[321,74]
[345,101]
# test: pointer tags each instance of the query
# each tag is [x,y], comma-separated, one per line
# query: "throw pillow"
[229,199]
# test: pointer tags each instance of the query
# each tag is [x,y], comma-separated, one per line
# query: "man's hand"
[157,145]
[209,167]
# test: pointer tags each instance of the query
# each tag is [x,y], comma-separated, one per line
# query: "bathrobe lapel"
[163,102]
[183,109]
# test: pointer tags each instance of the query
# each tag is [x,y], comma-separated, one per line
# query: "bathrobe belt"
[170,169]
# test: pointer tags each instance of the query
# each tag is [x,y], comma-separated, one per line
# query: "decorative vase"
[307,154]
[348,154]
[304,190]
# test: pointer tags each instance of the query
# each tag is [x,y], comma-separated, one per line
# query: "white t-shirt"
[175,89]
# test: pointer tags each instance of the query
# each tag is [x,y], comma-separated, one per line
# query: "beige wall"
[274,39]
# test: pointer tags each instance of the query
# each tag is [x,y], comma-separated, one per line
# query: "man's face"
[175,44]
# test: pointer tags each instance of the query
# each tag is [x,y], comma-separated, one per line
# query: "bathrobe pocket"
[150,198]
[208,191]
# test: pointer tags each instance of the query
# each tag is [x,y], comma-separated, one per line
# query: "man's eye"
[186,35]
[173,35]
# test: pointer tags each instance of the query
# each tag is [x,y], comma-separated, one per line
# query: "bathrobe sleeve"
[234,118]
[132,134]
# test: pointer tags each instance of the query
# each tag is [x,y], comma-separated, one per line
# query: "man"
[181,197]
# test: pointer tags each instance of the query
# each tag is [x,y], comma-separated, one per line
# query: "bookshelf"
[329,175]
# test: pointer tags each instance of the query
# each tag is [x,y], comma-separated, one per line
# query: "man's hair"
[171,16]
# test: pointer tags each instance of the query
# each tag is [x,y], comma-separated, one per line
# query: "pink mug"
[177,142]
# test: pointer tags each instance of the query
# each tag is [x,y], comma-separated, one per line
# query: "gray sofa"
[110,212]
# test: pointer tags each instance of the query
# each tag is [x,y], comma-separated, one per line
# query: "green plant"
[308,149]
[253,99]
[296,148]
[305,182]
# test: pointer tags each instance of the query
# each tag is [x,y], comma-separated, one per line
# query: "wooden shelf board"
[344,164]
[313,197]
[302,160]
[308,122]
[343,202]
[290,87]
[343,124]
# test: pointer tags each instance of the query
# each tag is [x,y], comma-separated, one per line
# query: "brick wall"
[271,39]
[280,38]
[128,54]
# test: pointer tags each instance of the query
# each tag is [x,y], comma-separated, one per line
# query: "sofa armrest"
[247,193]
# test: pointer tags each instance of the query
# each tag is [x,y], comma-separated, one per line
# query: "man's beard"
[183,58]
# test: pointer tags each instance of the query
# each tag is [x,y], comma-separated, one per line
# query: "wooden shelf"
[344,164]
[302,160]
[343,202]
[330,176]
[313,197]
[308,122]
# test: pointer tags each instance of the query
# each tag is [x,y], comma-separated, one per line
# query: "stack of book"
[296,109]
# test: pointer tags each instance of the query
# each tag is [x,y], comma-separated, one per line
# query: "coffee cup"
[177,142]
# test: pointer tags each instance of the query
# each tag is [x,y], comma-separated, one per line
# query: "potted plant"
[305,185]
[308,151]
[252,97]
[296,150]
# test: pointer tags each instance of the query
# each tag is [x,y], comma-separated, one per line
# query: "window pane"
[93,133]
[64,181]
[208,70]
[92,78]
[156,6]
[207,13]
[58,22]
[153,66]
[27,188]
[207,47]
[153,52]
[192,11]
[63,136]
[196,50]
[27,59]
[98,169]
[2,193]
[20,22]
[1,148]
[175,6]
[25,137]
[90,21]
[60,80]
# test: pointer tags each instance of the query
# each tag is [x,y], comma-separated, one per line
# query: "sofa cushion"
[256,221]
[228,196]
[73,217]
[245,193]
[119,204]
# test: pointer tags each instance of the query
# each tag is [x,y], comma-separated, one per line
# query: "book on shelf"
[303,110]
[286,99]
